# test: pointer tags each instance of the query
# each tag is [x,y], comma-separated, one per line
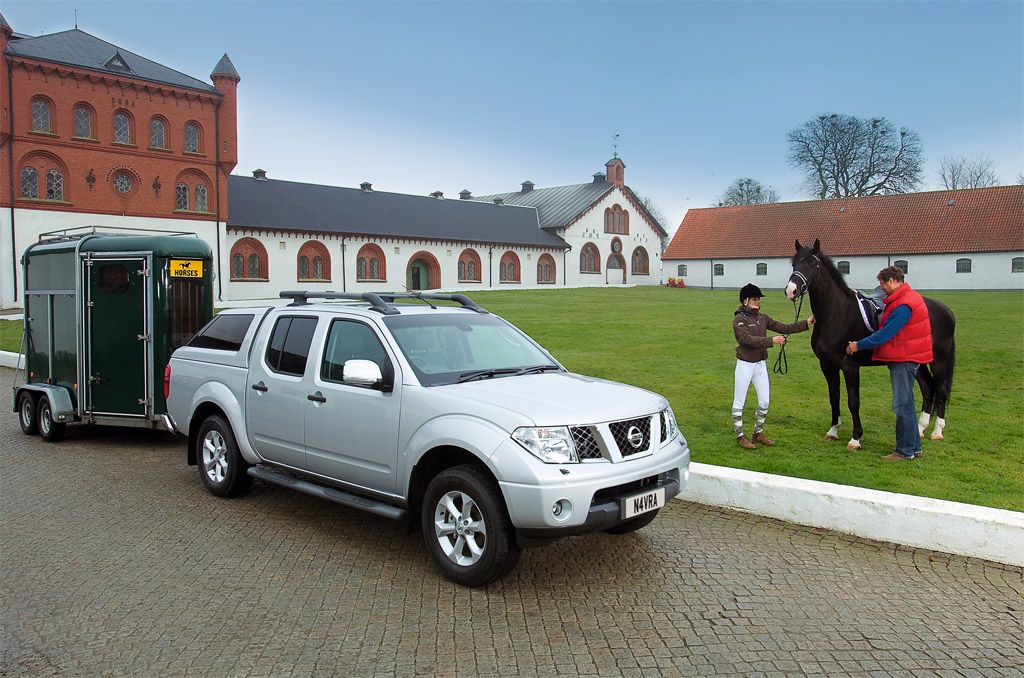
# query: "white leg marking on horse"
[940,423]
[854,444]
[791,291]
[922,422]
[833,433]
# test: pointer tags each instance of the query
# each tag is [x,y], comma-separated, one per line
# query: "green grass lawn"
[680,344]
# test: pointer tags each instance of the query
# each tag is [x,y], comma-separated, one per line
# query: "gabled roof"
[78,48]
[968,220]
[557,207]
[290,206]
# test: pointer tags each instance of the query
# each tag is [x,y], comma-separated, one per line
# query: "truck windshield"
[448,348]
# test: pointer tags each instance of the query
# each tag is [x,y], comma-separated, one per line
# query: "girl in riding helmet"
[751,329]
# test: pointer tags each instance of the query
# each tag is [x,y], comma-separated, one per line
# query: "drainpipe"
[490,267]
[10,172]
[712,274]
[343,262]
[216,178]
[565,270]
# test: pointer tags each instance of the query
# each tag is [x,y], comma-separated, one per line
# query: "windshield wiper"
[537,368]
[485,374]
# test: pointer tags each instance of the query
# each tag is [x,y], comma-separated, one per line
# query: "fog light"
[561,510]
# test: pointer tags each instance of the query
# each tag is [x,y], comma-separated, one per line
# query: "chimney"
[616,171]
[464,194]
[499,202]
[437,194]
[259,174]
[366,186]
[598,178]
[527,186]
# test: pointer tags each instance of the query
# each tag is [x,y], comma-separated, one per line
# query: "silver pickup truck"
[434,410]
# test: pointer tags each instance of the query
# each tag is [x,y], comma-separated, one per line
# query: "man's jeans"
[908,440]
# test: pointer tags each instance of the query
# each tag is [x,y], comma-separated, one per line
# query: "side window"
[289,344]
[351,340]
[223,333]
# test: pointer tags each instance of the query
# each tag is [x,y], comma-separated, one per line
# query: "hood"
[562,399]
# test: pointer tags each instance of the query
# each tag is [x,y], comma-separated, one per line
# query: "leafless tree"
[843,156]
[747,191]
[654,210]
[957,171]
[1020,179]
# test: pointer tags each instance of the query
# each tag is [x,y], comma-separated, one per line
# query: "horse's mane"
[826,261]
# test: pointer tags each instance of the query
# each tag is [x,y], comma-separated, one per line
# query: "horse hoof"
[853,446]
[936,436]
[831,438]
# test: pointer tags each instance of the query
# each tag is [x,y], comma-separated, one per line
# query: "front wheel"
[220,463]
[27,414]
[467,528]
[634,524]
[50,430]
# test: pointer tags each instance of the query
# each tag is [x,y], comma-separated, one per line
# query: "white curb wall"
[935,524]
[12,360]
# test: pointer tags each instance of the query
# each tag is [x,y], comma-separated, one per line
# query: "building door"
[118,336]
[615,270]
[417,276]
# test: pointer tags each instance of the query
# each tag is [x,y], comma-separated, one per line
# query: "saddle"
[871,307]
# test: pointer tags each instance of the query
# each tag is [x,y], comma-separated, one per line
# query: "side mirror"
[362,373]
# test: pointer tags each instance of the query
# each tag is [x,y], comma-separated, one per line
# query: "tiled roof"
[557,206]
[290,206]
[78,48]
[968,220]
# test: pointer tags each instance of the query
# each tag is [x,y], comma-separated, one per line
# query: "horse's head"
[807,264]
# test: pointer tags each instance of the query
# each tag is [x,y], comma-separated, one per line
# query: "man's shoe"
[896,456]
[744,442]
[760,439]
[919,453]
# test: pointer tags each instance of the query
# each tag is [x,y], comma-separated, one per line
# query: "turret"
[616,171]
[225,80]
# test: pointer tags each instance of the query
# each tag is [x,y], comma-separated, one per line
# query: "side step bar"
[329,493]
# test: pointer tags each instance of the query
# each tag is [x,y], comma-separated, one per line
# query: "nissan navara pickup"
[428,408]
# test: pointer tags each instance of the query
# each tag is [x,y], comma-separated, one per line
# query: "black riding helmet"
[750,290]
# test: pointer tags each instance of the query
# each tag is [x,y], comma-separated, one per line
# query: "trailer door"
[117,336]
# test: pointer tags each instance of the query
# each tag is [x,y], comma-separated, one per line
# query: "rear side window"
[289,344]
[223,333]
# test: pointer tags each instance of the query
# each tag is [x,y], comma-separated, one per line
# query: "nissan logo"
[635,437]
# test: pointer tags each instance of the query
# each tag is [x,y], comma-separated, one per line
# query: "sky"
[426,96]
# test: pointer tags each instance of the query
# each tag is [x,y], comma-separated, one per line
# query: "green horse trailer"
[103,313]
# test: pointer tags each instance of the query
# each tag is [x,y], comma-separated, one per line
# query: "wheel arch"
[62,406]
[201,413]
[432,463]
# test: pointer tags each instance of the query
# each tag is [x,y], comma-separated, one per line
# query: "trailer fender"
[60,400]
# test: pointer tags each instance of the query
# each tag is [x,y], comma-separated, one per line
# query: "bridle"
[803,282]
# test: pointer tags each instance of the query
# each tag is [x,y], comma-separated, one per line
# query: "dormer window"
[117,63]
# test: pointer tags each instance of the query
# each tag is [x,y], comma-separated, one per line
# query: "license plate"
[186,268]
[642,503]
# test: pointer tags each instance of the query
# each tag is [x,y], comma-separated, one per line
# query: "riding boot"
[744,442]
[761,439]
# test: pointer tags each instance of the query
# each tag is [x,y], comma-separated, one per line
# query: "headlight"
[668,425]
[550,444]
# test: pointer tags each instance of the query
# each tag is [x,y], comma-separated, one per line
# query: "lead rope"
[781,365]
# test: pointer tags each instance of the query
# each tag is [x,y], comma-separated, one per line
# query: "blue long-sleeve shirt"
[893,324]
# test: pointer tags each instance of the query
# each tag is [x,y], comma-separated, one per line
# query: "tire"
[634,524]
[49,430]
[221,466]
[460,488]
[27,414]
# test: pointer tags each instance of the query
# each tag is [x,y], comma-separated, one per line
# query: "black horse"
[838,321]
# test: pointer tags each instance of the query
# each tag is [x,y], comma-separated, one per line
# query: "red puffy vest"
[913,343]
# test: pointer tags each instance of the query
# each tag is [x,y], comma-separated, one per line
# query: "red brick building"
[91,133]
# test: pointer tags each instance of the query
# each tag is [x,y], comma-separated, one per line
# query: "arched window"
[314,262]
[193,138]
[681,269]
[181,197]
[590,259]
[29,183]
[157,133]
[248,260]
[122,128]
[202,201]
[42,116]
[469,266]
[963,265]
[83,122]
[509,268]
[902,265]
[762,269]
[616,220]
[843,267]
[370,263]
[640,262]
[719,269]
[546,272]
[54,185]
[1017,265]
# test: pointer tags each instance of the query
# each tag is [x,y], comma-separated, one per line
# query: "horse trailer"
[103,313]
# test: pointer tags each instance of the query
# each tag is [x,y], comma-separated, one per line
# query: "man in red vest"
[904,342]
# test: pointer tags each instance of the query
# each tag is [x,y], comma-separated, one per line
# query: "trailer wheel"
[220,463]
[50,430]
[27,414]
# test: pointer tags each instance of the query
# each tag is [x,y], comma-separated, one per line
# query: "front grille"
[621,430]
[631,488]
[586,444]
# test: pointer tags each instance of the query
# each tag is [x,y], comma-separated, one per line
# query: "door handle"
[317,397]
[260,386]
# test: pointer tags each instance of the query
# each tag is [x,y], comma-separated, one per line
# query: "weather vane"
[615,146]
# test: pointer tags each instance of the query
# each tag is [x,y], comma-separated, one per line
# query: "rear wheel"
[634,524]
[27,414]
[466,527]
[220,463]
[50,430]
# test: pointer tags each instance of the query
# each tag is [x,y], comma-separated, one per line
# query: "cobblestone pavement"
[115,561]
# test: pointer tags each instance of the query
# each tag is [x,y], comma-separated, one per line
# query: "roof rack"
[381,301]
[82,231]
